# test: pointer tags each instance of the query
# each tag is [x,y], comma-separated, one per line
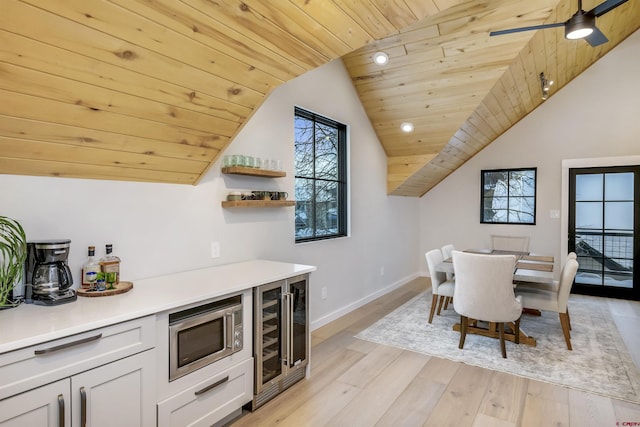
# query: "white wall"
[597,115]
[160,228]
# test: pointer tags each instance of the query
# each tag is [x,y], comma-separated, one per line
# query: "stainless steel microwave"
[204,334]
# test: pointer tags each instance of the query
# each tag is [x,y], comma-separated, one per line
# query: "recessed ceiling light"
[380,58]
[407,127]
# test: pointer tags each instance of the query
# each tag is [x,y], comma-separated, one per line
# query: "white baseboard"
[359,303]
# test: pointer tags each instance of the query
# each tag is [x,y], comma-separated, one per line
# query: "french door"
[604,226]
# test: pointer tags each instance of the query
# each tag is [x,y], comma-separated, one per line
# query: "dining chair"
[484,292]
[446,254]
[447,250]
[510,243]
[550,286]
[556,301]
[440,286]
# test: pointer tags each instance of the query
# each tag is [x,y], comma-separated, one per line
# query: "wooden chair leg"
[440,304]
[434,300]
[569,318]
[446,302]
[464,322]
[564,322]
[517,331]
[502,345]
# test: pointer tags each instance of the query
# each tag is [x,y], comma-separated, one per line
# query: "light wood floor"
[357,383]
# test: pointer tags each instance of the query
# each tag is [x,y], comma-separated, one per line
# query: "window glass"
[508,196]
[320,181]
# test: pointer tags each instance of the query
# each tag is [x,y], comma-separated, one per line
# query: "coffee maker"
[48,278]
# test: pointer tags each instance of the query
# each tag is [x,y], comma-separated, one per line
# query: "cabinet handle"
[83,407]
[212,386]
[61,410]
[67,345]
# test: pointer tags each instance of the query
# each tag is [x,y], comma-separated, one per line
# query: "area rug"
[599,363]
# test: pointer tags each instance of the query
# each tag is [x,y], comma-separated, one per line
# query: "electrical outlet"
[324,292]
[382,271]
[215,249]
[555,214]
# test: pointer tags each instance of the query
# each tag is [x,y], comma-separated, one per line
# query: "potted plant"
[13,252]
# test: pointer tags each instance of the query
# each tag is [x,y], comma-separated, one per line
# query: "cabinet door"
[119,394]
[46,406]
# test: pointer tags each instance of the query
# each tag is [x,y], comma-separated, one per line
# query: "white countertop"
[32,324]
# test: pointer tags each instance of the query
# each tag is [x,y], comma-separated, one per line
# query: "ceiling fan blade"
[518,30]
[605,7]
[596,38]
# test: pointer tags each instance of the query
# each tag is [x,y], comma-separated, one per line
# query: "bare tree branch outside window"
[320,187]
[509,196]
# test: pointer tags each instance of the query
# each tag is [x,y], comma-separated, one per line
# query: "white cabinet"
[48,406]
[210,400]
[119,394]
[211,393]
[105,377]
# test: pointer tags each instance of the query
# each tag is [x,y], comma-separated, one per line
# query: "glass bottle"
[90,269]
[110,266]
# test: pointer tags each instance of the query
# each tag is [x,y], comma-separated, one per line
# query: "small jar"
[234,195]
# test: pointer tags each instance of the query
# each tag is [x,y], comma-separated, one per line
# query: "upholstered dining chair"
[552,286]
[555,301]
[484,292]
[510,243]
[447,250]
[440,287]
[446,254]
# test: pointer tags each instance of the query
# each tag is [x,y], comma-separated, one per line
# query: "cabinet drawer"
[33,366]
[210,400]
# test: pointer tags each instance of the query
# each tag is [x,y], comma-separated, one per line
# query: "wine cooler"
[281,336]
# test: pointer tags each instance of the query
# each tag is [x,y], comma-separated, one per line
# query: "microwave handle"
[229,332]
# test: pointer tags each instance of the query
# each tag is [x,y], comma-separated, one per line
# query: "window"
[320,177]
[508,196]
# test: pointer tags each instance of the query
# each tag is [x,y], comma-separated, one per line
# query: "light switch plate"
[215,249]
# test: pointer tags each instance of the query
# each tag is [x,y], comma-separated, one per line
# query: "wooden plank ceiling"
[154,90]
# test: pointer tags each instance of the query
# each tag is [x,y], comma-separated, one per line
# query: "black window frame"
[483,175]
[341,181]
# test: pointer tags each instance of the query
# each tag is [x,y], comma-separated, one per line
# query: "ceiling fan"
[581,25]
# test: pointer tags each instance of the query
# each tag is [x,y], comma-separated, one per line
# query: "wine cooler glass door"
[269,334]
[299,322]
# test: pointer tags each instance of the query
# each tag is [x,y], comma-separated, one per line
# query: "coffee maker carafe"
[48,277]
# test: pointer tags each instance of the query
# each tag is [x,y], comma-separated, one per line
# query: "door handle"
[61,410]
[83,407]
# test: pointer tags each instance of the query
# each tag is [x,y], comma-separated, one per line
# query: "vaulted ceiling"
[154,90]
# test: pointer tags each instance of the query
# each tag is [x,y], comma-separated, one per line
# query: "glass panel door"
[299,321]
[603,226]
[268,333]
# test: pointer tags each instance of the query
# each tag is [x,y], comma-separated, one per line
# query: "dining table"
[529,268]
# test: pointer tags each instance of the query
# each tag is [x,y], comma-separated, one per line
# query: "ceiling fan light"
[579,26]
[380,58]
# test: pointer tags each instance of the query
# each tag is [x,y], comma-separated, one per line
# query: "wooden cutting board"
[120,288]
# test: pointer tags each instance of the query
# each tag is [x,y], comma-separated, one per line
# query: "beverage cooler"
[281,336]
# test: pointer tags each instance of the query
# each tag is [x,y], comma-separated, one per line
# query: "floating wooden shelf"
[241,170]
[257,203]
